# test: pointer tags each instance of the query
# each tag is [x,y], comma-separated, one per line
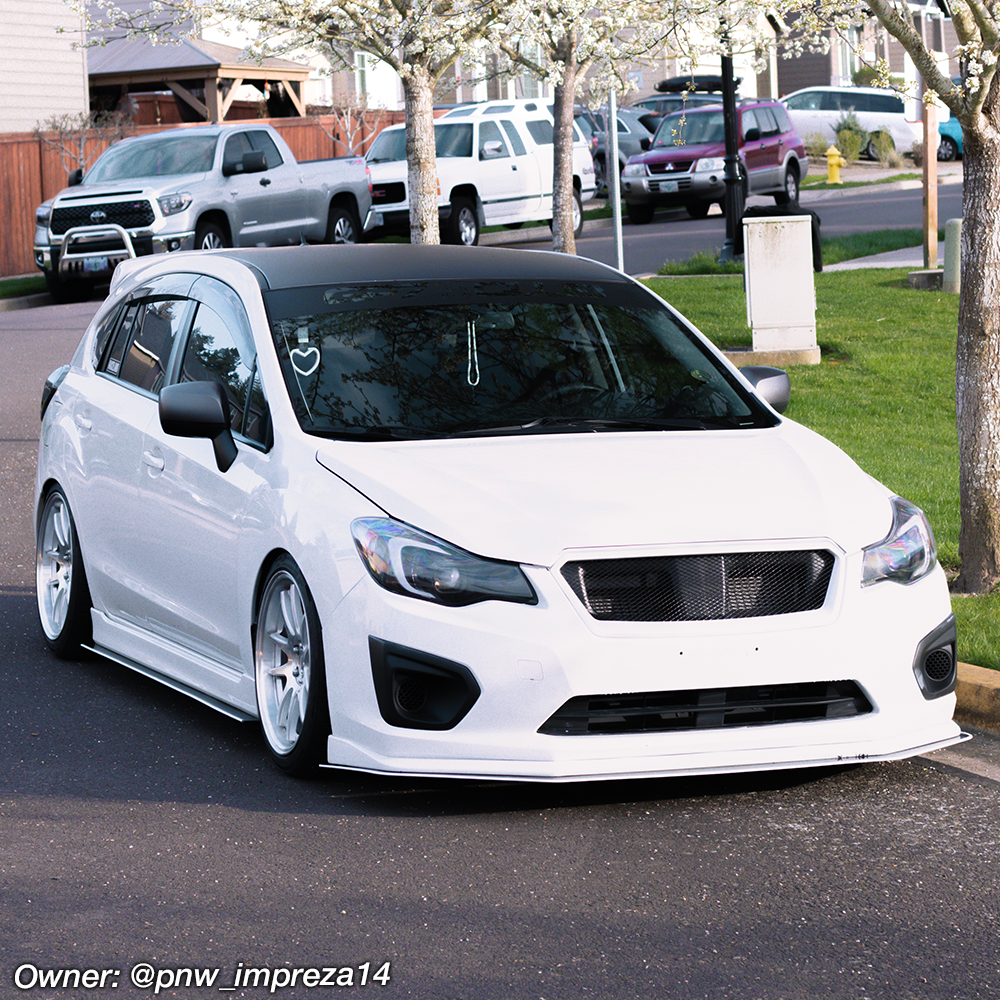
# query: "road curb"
[26,302]
[978,693]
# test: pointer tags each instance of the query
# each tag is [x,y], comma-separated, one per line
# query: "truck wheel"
[342,226]
[639,213]
[67,291]
[698,209]
[210,236]
[462,226]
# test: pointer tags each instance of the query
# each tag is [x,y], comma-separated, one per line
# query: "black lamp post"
[731,173]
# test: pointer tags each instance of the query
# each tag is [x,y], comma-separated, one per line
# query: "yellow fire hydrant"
[834,161]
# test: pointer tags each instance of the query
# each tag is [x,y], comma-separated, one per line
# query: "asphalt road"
[142,835]
[674,236]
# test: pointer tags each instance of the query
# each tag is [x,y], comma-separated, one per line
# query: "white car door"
[508,181]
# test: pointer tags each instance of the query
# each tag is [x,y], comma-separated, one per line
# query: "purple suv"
[684,163]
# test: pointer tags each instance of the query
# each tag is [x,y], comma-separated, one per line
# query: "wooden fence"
[32,171]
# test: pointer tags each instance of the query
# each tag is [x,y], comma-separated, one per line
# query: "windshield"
[166,156]
[426,359]
[449,140]
[691,129]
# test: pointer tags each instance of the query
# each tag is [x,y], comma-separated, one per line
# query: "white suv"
[817,110]
[494,165]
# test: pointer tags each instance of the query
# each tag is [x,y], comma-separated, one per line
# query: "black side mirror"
[644,143]
[76,177]
[254,162]
[200,410]
[772,385]
[753,134]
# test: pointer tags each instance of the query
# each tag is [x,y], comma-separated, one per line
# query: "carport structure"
[204,75]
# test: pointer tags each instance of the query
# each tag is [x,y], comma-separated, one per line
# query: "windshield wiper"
[378,432]
[577,425]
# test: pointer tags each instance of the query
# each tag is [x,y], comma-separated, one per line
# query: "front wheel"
[698,209]
[879,144]
[577,215]
[60,581]
[210,236]
[290,671]
[462,226]
[639,213]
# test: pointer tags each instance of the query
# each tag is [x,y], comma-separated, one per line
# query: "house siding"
[41,74]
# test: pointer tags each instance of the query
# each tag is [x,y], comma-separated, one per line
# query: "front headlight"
[634,170]
[42,214]
[409,562]
[710,164]
[171,204]
[907,553]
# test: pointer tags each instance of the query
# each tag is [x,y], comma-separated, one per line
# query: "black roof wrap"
[298,266]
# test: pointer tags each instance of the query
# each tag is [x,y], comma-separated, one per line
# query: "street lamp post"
[731,173]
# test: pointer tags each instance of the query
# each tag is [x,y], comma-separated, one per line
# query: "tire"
[947,149]
[60,580]
[577,214]
[790,196]
[67,291]
[698,209]
[871,150]
[290,672]
[342,226]
[462,226]
[639,214]
[210,236]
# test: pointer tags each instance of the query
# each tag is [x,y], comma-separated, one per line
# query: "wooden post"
[930,186]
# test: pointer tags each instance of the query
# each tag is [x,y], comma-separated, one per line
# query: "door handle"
[264,181]
[82,422]
[155,462]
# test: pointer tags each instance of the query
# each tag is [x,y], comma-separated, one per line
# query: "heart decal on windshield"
[305,360]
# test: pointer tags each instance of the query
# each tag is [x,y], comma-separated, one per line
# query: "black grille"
[388,194]
[676,166]
[701,587]
[938,664]
[127,214]
[708,708]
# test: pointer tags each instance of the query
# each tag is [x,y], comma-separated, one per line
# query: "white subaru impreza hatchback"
[475,513]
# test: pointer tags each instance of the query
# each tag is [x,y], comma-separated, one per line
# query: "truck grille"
[127,214]
[388,194]
[676,167]
[708,708]
[701,587]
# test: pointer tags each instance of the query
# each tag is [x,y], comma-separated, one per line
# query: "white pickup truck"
[200,187]
[494,165]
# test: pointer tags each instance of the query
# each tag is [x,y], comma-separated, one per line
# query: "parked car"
[666,104]
[684,165]
[495,167]
[200,187]
[635,132]
[950,140]
[489,513]
[881,113]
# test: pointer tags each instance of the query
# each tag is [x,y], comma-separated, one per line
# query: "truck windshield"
[160,157]
[449,140]
[445,358]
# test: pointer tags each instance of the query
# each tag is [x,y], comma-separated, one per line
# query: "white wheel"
[290,677]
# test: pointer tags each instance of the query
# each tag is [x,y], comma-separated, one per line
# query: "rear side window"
[887,104]
[541,131]
[781,117]
[146,361]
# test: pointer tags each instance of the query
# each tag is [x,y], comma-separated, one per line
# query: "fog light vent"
[417,690]
[935,663]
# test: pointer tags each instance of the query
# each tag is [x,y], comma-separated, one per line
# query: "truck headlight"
[171,204]
[907,553]
[43,214]
[710,164]
[634,170]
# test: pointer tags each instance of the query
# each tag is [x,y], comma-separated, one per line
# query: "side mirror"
[76,177]
[644,144]
[200,410]
[491,150]
[753,134]
[771,384]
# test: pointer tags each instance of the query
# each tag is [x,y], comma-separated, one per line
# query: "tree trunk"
[563,236]
[977,384]
[421,160]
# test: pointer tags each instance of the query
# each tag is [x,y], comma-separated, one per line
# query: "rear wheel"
[290,671]
[791,193]
[60,581]
[342,226]
[462,226]
[947,149]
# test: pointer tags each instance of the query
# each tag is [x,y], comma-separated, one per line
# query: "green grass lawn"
[884,392]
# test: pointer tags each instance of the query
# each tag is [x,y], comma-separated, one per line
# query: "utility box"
[781,292]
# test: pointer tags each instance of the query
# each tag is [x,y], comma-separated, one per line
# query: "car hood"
[149,187]
[529,498]
[687,153]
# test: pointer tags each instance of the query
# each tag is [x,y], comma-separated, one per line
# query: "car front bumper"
[674,188]
[528,662]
